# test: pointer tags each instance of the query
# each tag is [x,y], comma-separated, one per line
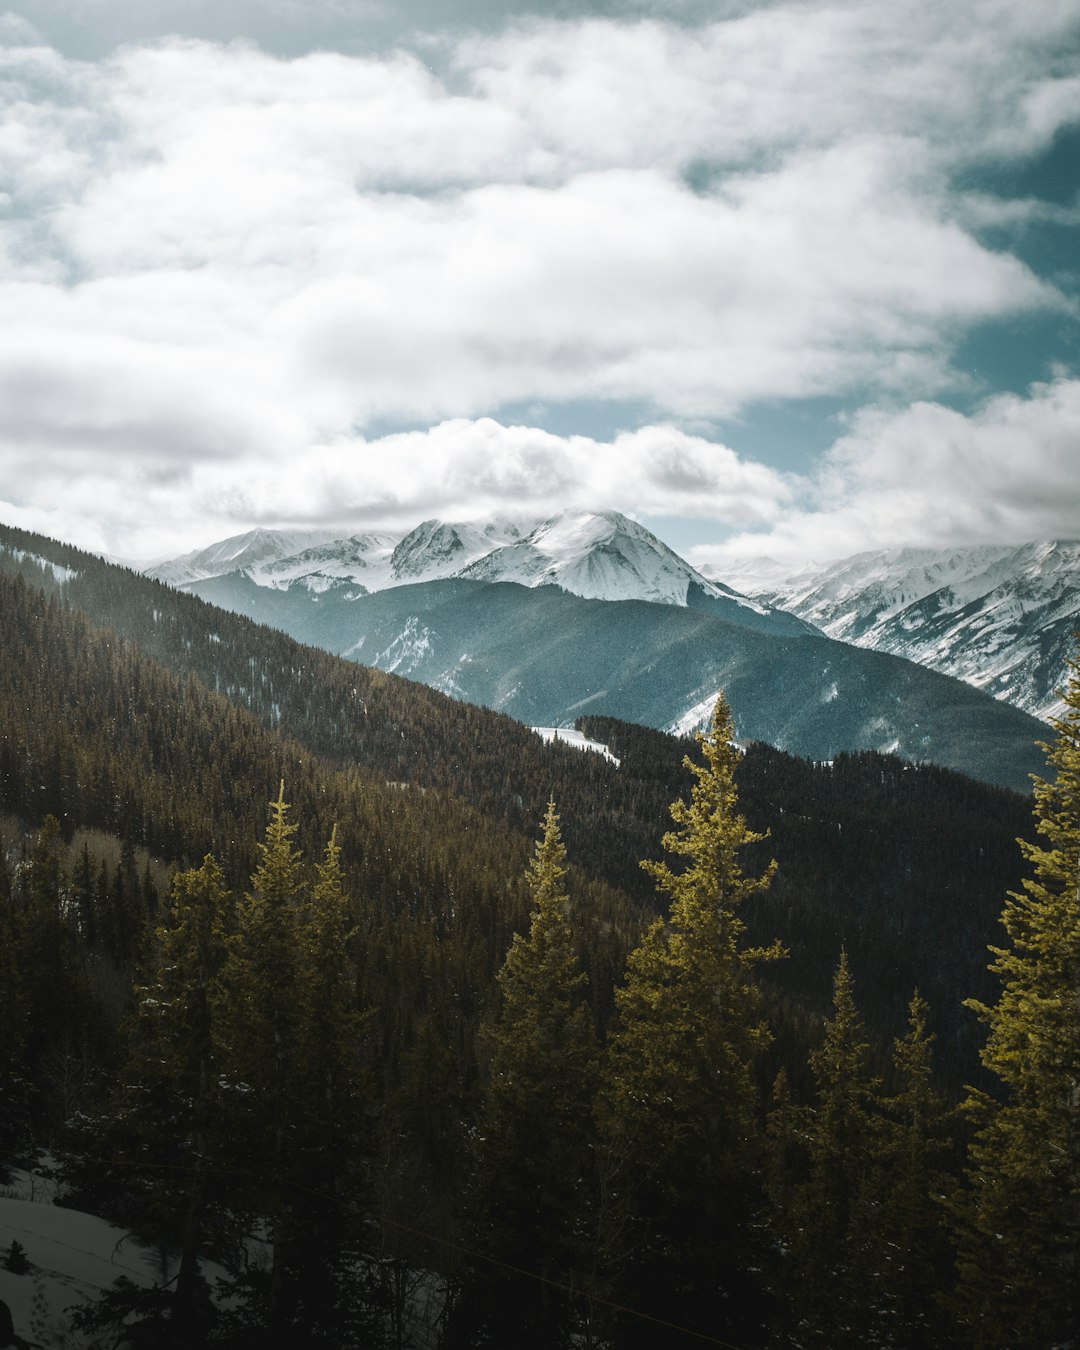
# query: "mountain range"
[1003,619]
[596,555]
[590,614]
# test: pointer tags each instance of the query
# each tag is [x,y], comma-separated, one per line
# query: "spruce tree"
[1019,1263]
[536,1160]
[914,1249]
[679,1102]
[834,1245]
[334,1113]
[285,1035]
[257,1018]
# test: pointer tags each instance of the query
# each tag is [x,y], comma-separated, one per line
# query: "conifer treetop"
[712,834]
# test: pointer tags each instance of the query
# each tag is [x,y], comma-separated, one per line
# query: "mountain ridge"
[1002,618]
[598,555]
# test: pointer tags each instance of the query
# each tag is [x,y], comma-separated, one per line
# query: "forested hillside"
[350,1014]
[870,848]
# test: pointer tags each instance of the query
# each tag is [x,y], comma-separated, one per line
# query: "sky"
[790,279]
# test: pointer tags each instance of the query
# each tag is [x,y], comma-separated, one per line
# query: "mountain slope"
[547,657]
[240,551]
[1000,618]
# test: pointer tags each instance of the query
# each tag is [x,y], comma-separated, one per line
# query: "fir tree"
[172,1071]
[256,1018]
[335,1116]
[291,1091]
[912,1237]
[679,1102]
[1019,1262]
[835,1240]
[149,1158]
[536,1160]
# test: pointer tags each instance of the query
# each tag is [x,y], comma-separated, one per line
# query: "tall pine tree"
[679,1103]
[833,1242]
[1019,1262]
[285,1037]
[256,1018]
[535,1179]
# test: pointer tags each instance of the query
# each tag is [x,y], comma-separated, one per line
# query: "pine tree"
[912,1236]
[159,1141]
[285,1035]
[334,1113]
[256,1020]
[52,986]
[143,1151]
[536,1166]
[1019,1263]
[175,1068]
[835,1240]
[679,1102]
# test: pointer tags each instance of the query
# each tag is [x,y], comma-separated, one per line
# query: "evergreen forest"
[430,1034]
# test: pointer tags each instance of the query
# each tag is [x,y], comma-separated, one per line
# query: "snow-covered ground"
[568,736]
[73,1258]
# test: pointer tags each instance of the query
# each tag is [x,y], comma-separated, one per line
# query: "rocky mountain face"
[1002,619]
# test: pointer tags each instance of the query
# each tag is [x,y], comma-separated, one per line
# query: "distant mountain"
[589,613]
[1000,618]
[597,555]
[547,657]
[240,551]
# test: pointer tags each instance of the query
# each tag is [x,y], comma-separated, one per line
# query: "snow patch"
[74,1257]
[694,719]
[577,739]
[60,574]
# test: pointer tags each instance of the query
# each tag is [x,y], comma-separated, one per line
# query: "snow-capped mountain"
[363,559]
[236,553]
[439,548]
[587,612]
[599,556]
[1001,618]
[595,555]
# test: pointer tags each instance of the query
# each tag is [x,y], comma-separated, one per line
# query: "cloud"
[154,506]
[928,476]
[220,264]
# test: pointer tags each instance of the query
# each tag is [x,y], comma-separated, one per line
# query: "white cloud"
[457,469]
[219,264]
[928,476]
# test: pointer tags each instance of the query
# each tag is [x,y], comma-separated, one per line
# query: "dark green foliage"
[1019,1220]
[15,1259]
[856,1180]
[678,1106]
[536,1178]
[831,1222]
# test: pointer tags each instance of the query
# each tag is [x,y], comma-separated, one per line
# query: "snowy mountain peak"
[251,549]
[598,555]
[362,557]
[999,616]
[439,548]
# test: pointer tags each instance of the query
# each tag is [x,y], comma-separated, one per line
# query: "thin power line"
[449,1244]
